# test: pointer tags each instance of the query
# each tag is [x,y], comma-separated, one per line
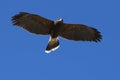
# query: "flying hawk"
[40,25]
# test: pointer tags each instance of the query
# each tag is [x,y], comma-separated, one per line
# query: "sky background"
[22,55]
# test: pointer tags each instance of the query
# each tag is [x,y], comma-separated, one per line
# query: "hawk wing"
[33,23]
[80,32]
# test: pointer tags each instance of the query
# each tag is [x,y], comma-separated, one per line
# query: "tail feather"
[53,44]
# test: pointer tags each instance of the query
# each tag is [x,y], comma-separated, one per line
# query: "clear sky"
[22,55]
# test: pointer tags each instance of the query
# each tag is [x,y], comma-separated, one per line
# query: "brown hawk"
[40,25]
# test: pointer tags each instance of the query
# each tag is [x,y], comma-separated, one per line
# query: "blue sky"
[22,55]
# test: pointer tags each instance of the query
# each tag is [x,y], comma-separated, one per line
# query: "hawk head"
[58,21]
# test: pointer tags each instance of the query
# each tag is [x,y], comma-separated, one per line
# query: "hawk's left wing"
[80,32]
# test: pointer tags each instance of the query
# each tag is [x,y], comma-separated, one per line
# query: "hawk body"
[40,25]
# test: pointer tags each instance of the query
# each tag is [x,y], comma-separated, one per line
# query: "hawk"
[40,25]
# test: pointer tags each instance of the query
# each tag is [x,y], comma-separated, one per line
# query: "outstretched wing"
[33,23]
[80,32]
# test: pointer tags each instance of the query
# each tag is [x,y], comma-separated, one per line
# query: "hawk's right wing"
[33,23]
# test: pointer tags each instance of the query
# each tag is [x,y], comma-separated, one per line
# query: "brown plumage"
[40,25]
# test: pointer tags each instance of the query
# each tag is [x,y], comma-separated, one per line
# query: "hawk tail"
[53,44]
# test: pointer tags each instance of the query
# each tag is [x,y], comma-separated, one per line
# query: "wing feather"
[33,23]
[80,32]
